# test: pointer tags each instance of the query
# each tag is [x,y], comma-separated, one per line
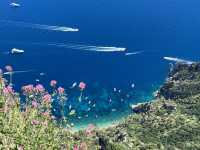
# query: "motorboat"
[15,5]
[17,51]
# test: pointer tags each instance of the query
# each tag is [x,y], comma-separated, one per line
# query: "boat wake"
[133,53]
[18,72]
[179,60]
[90,48]
[81,47]
[39,26]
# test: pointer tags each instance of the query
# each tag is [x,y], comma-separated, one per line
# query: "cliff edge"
[171,121]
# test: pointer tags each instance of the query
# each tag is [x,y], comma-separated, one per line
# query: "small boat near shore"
[178,60]
[17,51]
[15,5]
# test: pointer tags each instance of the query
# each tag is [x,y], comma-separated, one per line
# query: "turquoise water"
[154,28]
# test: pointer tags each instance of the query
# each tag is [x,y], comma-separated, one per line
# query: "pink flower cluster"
[28,89]
[82,85]
[34,104]
[39,88]
[47,98]
[8,90]
[75,147]
[61,90]
[53,83]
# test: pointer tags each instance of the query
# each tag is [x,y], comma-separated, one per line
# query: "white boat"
[178,60]
[16,51]
[15,5]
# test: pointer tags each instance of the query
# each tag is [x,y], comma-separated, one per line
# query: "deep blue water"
[159,28]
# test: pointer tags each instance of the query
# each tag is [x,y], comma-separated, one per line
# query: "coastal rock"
[183,81]
[162,124]
[141,108]
[169,107]
[120,136]
[105,144]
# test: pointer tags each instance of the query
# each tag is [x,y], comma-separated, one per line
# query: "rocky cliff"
[171,121]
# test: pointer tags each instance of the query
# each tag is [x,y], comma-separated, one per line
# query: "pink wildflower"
[47,98]
[8,90]
[53,83]
[28,89]
[75,147]
[61,90]
[82,85]
[9,68]
[5,91]
[34,104]
[39,88]
[35,122]
[83,146]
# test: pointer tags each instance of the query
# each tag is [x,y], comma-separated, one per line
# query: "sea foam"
[40,26]
[134,53]
[91,48]
[174,59]
[17,72]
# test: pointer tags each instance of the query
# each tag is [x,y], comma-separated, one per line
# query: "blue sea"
[154,28]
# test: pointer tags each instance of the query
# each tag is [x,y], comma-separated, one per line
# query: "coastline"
[116,118]
[169,121]
[103,123]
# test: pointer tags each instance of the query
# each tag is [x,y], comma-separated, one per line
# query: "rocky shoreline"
[171,121]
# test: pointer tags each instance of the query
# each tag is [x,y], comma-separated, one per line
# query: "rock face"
[163,123]
[168,107]
[183,81]
[141,108]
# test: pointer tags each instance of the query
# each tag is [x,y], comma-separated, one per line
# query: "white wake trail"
[16,72]
[81,47]
[133,53]
[90,48]
[40,26]
[174,59]
[107,49]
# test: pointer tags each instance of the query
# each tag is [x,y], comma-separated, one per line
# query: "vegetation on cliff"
[32,125]
[171,121]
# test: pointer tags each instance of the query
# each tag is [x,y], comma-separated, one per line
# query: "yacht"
[17,51]
[15,5]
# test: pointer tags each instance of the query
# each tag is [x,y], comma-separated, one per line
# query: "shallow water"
[158,29]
